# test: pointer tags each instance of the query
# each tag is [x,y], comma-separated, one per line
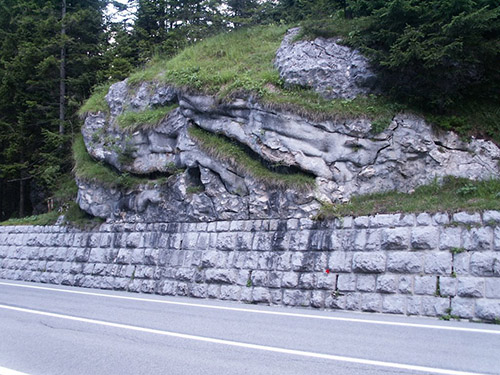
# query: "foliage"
[436,197]
[222,148]
[149,118]
[89,170]
[49,218]
[240,62]
[33,153]
[76,217]
[96,102]
[435,52]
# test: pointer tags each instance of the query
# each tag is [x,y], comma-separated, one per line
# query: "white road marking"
[8,371]
[265,312]
[274,349]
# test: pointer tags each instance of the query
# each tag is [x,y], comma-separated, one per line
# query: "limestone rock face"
[344,155]
[333,70]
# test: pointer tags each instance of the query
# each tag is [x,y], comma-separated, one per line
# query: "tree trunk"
[62,76]
[22,188]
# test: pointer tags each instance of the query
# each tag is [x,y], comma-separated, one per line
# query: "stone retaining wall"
[423,264]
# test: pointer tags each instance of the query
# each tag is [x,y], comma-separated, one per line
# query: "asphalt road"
[62,330]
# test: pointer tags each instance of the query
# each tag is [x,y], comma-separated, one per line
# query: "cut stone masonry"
[431,265]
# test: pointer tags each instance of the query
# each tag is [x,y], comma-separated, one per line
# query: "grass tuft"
[49,218]
[97,101]
[148,119]
[452,195]
[88,169]
[222,148]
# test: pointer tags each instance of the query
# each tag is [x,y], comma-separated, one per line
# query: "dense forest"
[440,56]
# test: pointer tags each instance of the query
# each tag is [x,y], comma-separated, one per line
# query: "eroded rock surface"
[344,156]
[333,70]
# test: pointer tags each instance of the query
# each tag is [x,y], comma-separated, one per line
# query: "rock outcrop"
[343,155]
[331,69]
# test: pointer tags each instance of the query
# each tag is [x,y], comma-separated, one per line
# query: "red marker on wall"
[327,270]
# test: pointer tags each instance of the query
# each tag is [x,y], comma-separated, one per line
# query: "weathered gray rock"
[343,155]
[333,70]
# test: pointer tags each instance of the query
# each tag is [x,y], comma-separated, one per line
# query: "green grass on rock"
[454,194]
[88,169]
[222,148]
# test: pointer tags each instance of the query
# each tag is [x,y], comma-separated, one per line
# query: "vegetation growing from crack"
[223,148]
[147,119]
[87,169]
[435,197]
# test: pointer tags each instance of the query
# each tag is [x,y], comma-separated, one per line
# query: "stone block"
[302,261]
[387,284]
[340,261]
[485,264]
[448,286]
[424,238]
[274,279]
[424,219]
[372,240]
[496,239]
[488,309]
[369,262]
[466,218]
[395,239]
[299,240]
[492,287]
[320,261]
[220,276]
[318,240]
[333,301]
[384,220]
[261,295]
[346,283]
[133,240]
[393,304]
[366,283]
[82,254]
[213,291]
[198,290]
[307,281]
[362,222]
[290,280]
[266,261]
[491,217]
[259,278]
[325,280]
[353,301]
[318,299]
[137,256]
[230,292]
[223,226]
[435,306]
[462,307]
[441,219]
[371,302]
[404,262]
[244,241]
[425,285]
[438,263]
[335,240]
[476,239]
[263,241]
[470,287]
[226,241]
[461,263]
[296,298]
